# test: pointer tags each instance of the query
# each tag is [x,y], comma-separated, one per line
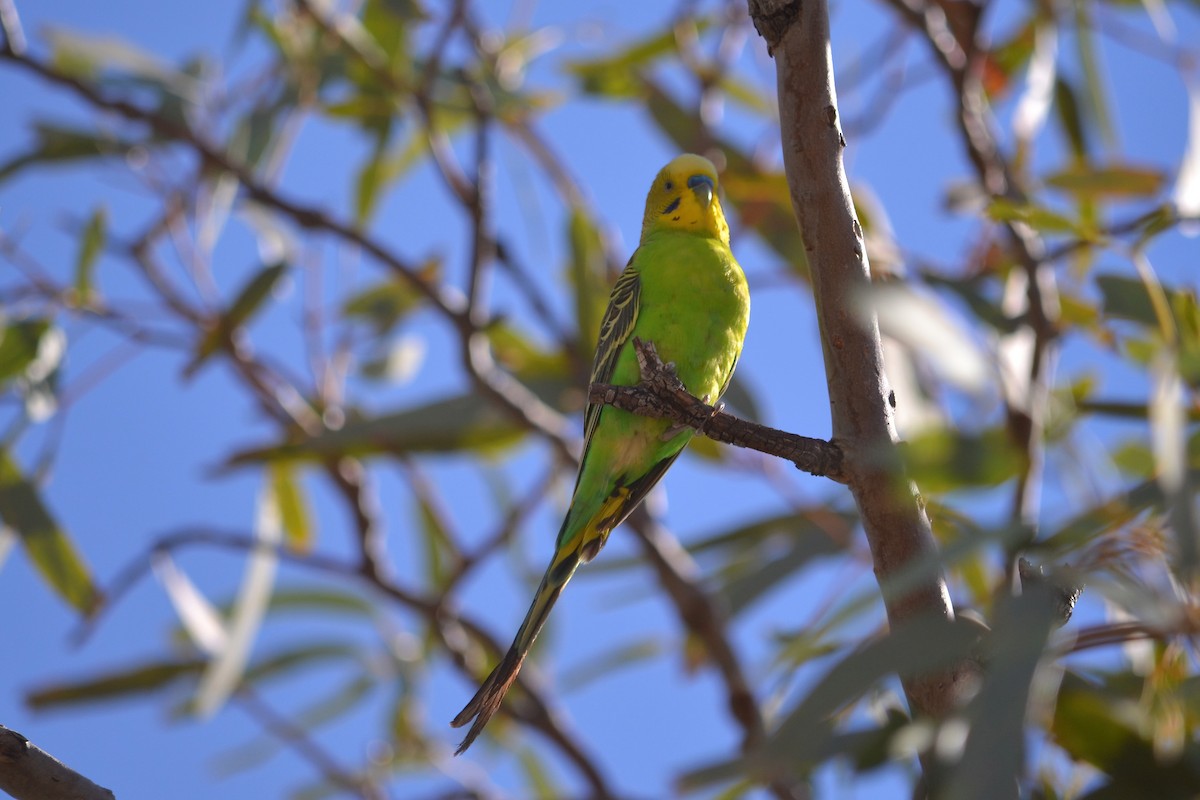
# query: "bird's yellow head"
[684,198]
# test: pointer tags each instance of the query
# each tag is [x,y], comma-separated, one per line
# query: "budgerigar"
[683,291]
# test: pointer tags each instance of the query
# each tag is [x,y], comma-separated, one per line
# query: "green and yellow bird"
[683,291]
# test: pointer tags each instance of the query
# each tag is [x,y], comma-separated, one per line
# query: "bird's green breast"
[695,308]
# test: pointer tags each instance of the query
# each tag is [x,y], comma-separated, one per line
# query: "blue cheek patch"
[674,205]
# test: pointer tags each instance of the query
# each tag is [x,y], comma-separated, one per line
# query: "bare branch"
[28,772]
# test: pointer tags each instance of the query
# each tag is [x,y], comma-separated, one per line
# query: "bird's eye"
[669,185]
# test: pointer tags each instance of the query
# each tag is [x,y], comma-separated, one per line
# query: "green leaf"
[1112,181]
[756,557]
[942,460]
[589,277]
[386,304]
[320,599]
[522,357]
[90,245]
[19,343]
[806,735]
[1038,217]
[373,176]
[1066,104]
[438,544]
[245,304]
[58,144]
[294,513]
[992,762]
[50,549]
[254,135]
[1107,516]
[1097,102]
[616,75]
[1129,298]
[1094,725]
[467,422]
[120,684]
[92,57]
[605,664]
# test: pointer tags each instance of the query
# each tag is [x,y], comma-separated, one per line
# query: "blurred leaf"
[605,664]
[202,624]
[225,671]
[462,423]
[388,303]
[92,57]
[1107,516]
[19,343]
[740,401]
[764,205]
[245,304]
[1038,217]
[539,780]
[373,176]
[389,22]
[398,363]
[993,760]
[746,94]
[294,512]
[90,245]
[522,357]
[47,545]
[589,277]
[438,543]
[805,735]
[254,135]
[865,749]
[1005,58]
[1129,298]
[762,199]
[320,599]
[972,290]
[756,557]
[1097,96]
[117,685]
[1070,117]
[616,75]
[943,460]
[1099,728]
[153,676]
[59,144]
[257,751]
[1117,180]
[283,663]
[1186,195]
[924,323]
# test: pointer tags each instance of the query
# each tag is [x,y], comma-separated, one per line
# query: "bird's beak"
[702,187]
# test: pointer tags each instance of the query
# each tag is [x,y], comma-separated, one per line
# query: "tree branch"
[894,519]
[663,396]
[28,772]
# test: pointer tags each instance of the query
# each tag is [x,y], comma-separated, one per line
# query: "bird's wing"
[619,319]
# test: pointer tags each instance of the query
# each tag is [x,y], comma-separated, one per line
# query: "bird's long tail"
[487,700]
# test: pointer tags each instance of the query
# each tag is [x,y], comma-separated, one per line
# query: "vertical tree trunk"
[897,529]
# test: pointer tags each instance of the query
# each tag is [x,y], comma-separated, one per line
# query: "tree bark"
[861,404]
[29,773]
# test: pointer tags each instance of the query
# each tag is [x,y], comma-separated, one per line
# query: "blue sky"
[136,455]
